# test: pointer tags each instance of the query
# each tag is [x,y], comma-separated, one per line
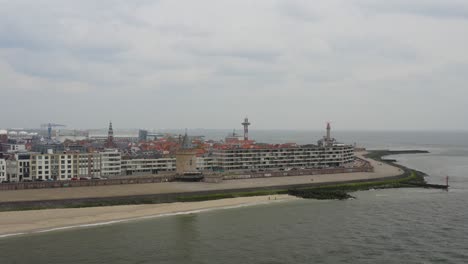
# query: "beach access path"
[381,170]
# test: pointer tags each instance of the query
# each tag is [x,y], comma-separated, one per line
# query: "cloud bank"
[294,64]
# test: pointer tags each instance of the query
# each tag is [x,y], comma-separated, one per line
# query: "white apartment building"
[147,166]
[111,163]
[24,166]
[89,165]
[65,166]
[2,170]
[154,166]
[16,168]
[12,170]
[43,166]
[12,147]
[309,156]
[206,163]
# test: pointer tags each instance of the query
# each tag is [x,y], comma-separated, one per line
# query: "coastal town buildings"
[65,166]
[12,170]
[111,161]
[15,168]
[2,170]
[3,136]
[52,160]
[147,166]
[13,146]
[309,156]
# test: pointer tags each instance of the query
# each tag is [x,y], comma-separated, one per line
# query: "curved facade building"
[308,156]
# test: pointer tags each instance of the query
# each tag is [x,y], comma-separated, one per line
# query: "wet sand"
[26,222]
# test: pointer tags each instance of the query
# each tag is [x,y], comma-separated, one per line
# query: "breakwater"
[409,179]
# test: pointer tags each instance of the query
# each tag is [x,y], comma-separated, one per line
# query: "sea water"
[380,226]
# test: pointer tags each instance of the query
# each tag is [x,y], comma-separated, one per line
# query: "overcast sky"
[293,64]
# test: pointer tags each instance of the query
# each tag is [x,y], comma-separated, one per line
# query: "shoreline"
[17,223]
[14,223]
[169,191]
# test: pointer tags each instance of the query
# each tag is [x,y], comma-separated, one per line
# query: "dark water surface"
[382,226]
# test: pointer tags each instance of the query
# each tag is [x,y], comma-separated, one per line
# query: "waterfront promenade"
[381,170]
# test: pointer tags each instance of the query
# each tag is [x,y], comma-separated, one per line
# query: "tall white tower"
[246,125]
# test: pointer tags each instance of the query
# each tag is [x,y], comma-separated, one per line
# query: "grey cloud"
[449,9]
[375,47]
[248,72]
[247,54]
[183,64]
[296,10]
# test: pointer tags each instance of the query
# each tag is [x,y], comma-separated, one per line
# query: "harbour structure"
[145,135]
[49,127]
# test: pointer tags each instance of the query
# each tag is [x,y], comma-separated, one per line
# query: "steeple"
[110,132]
[110,137]
[186,141]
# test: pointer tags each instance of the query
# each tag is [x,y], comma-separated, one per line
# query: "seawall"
[164,197]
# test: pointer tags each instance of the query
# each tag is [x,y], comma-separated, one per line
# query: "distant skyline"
[286,64]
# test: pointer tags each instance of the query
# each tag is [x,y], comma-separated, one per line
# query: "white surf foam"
[141,218]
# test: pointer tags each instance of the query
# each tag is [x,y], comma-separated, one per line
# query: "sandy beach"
[26,222]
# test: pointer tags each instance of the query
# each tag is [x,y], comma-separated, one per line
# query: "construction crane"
[49,128]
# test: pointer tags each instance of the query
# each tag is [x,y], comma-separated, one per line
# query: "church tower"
[110,137]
